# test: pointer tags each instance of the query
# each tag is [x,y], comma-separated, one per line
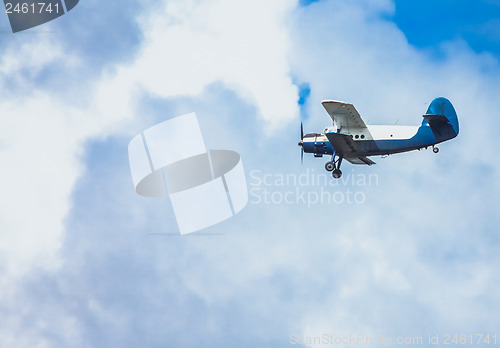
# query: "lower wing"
[347,148]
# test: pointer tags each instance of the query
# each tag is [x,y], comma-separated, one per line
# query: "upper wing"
[344,115]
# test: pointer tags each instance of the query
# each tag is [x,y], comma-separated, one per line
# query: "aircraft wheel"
[337,173]
[329,166]
[435,150]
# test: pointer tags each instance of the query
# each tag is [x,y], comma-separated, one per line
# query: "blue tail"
[442,118]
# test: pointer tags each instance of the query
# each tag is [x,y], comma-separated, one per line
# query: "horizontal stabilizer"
[441,126]
[436,120]
[442,118]
[360,160]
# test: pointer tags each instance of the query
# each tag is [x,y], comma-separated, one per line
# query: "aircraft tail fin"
[442,118]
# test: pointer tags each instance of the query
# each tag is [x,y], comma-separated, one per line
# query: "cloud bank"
[80,267]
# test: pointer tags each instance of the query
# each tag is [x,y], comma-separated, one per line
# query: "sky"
[405,249]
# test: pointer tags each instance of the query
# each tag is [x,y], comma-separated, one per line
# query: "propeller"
[300,143]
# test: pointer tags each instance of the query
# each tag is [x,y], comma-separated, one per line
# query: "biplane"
[350,138]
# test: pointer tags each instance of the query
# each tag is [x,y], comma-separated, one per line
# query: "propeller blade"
[300,143]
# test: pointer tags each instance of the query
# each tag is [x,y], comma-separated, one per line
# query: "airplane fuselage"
[377,140]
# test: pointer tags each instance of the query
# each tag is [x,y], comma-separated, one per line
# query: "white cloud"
[187,46]
[320,269]
[41,151]
[241,43]
[42,136]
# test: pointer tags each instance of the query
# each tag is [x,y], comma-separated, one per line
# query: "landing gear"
[435,149]
[329,166]
[334,166]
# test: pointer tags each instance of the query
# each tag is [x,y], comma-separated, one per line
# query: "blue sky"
[85,261]
[428,23]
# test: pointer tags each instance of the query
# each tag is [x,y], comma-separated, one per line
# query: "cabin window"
[356,136]
[362,136]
